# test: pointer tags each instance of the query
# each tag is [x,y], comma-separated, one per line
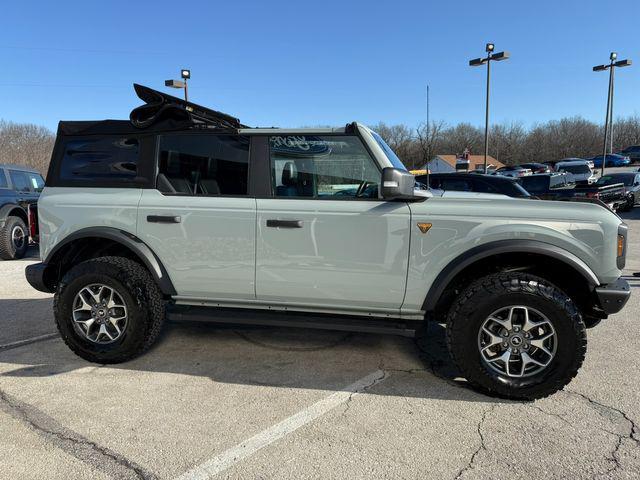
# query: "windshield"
[612,179]
[576,169]
[393,158]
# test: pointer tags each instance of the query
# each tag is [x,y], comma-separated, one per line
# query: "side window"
[36,181]
[20,181]
[3,179]
[203,164]
[100,158]
[456,185]
[483,187]
[322,166]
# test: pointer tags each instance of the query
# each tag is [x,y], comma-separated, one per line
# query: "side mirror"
[397,184]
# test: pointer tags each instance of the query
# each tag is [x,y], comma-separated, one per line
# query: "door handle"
[163,219]
[284,223]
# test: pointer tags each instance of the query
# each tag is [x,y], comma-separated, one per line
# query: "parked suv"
[20,188]
[183,212]
[633,152]
[581,170]
[550,186]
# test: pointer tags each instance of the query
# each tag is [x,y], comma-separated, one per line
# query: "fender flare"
[128,240]
[503,246]
[6,210]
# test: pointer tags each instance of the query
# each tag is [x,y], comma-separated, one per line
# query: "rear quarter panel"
[63,211]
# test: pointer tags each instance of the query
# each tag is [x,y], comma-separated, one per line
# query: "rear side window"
[456,185]
[203,164]
[535,184]
[36,181]
[3,179]
[20,181]
[100,158]
[483,187]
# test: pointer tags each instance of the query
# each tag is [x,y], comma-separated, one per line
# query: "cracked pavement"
[206,389]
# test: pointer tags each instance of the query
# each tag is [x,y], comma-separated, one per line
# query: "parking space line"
[28,341]
[243,450]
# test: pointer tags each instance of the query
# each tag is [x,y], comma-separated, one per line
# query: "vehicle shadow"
[268,356]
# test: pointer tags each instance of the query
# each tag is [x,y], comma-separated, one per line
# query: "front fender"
[495,248]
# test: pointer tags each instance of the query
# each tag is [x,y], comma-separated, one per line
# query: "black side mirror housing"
[397,184]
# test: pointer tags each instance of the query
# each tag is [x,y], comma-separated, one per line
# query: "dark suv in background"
[474,182]
[20,188]
[633,152]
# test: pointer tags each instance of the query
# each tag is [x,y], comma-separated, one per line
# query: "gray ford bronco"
[182,212]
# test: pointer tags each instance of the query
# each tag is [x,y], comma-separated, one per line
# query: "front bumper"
[613,296]
[35,274]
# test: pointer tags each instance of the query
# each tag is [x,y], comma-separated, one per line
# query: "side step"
[235,316]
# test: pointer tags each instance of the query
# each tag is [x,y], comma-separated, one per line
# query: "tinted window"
[203,164]
[20,181]
[3,179]
[456,185]
[483,187]
[104,158]
[535,184]
[613,179]
[323,167]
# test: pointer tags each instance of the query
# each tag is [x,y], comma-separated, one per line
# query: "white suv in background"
[582,170]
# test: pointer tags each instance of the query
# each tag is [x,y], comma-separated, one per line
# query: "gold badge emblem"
[424,227]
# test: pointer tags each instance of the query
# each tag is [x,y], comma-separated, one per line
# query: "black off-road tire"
[490,293]
[143,299]
[8,249]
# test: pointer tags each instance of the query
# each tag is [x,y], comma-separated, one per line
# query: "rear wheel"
[108,309]
[14,239]
[516,335]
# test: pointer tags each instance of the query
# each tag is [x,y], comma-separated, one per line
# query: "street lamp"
[476,62]
[608,120]
[186,75]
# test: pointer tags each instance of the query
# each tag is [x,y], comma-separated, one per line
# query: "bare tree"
[427,143]
[464,135]
[26,144]
[506,142]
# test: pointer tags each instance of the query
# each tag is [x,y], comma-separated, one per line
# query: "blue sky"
[275,63]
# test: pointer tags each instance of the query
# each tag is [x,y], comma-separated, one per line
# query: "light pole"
[186,75]
[608,119]
[476,62]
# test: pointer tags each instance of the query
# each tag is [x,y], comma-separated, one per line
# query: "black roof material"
[159,113]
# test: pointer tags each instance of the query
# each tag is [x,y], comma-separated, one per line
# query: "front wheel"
[516,335]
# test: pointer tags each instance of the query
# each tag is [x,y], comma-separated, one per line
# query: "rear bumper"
[613,296]
[35,274]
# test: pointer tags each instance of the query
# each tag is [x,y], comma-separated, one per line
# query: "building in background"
[464,162]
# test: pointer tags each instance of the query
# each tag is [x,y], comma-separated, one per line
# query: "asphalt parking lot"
[222,402]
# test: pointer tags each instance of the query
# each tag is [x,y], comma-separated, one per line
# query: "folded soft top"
[160,112]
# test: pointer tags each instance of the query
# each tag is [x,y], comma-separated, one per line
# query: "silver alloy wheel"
[517,341]
[18,237]
[99,313]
